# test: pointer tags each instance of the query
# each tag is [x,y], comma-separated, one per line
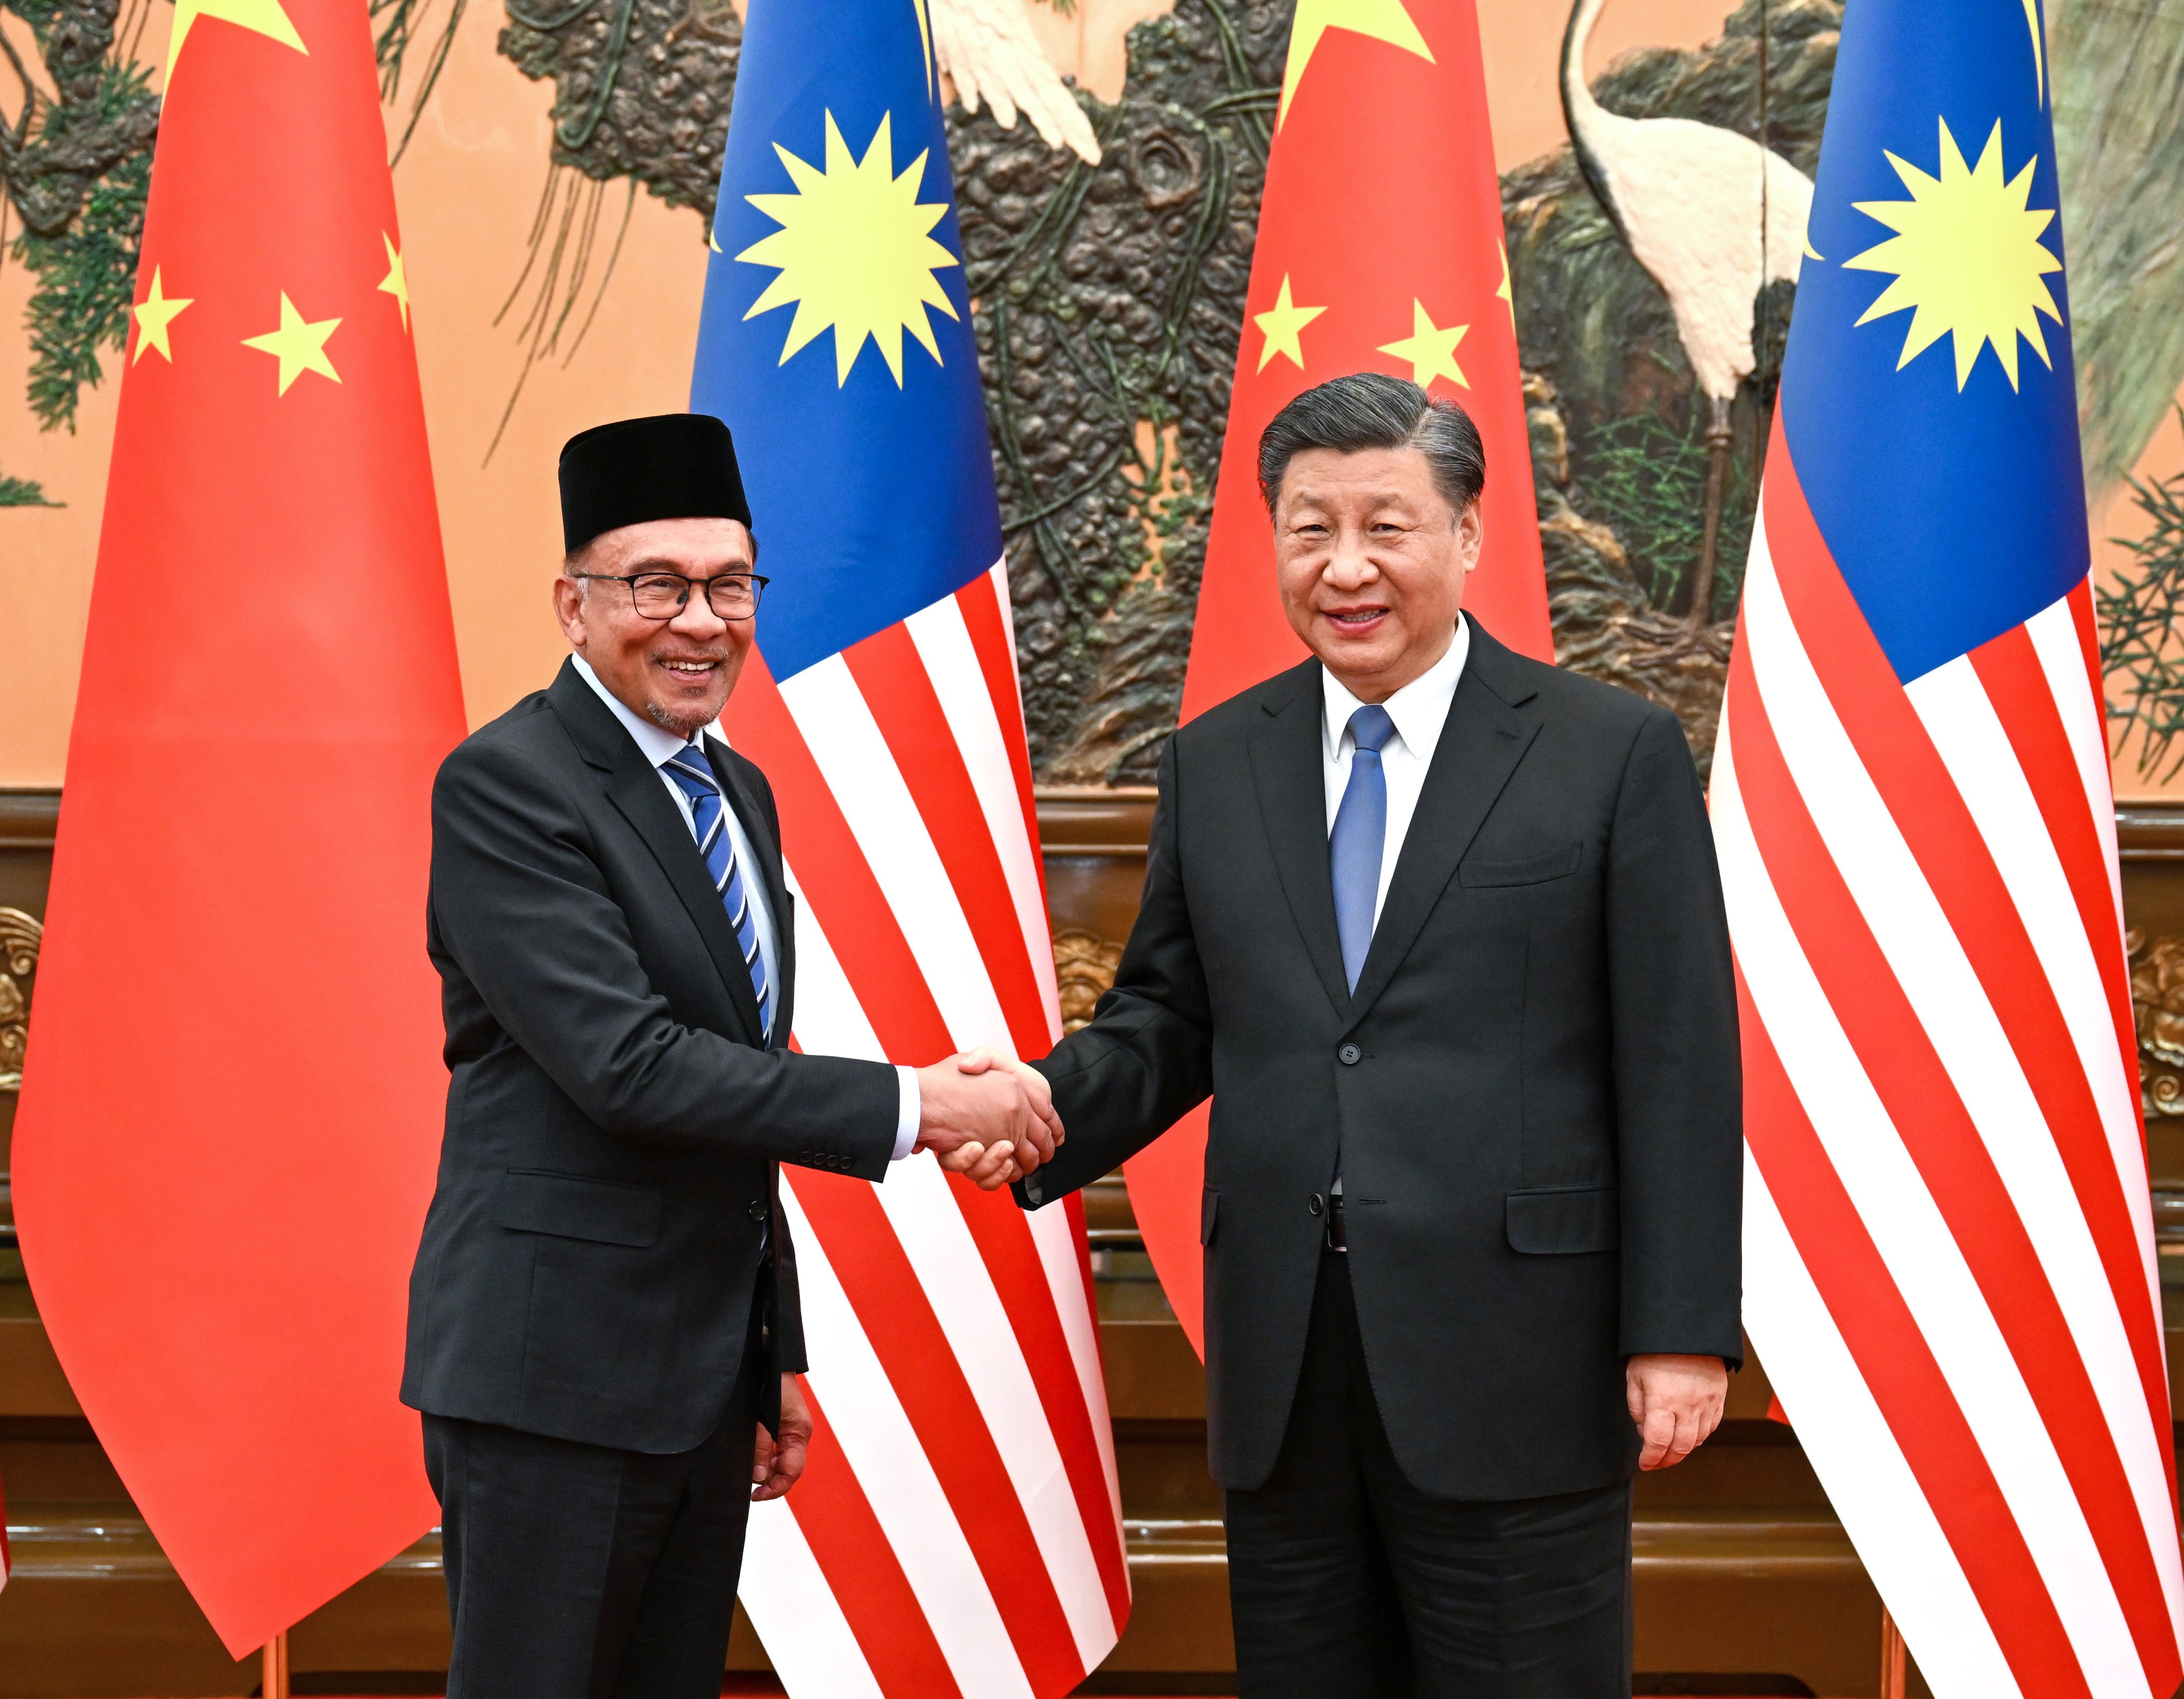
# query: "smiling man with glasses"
[604,1333]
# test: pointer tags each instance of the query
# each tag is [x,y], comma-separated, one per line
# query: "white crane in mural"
[989,50]
[1713,217]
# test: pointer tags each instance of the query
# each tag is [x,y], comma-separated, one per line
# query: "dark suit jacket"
[599,1232]
[1534,1089]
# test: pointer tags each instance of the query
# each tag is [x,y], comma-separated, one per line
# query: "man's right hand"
[967,1101]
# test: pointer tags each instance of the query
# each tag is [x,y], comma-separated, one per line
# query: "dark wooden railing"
[1741,1567]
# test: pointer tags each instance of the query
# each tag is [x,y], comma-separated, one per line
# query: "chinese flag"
[230,1111]
[1379,249]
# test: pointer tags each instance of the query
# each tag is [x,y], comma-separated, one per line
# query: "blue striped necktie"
[694,776]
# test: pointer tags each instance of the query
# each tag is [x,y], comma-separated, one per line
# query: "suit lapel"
[640,795]
[1289,773]
[1485,737]
[767,849]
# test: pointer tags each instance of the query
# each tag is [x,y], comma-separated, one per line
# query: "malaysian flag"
[959,1528]
[1949,1249]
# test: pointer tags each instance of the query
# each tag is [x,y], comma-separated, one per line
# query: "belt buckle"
[1334,1235]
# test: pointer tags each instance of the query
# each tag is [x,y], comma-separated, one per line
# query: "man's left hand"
[1676,1402]
[779,1462]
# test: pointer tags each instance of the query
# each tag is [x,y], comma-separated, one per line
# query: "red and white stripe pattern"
[959,1530]
[1949,1267]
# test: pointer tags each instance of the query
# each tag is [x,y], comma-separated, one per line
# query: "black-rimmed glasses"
[663,595]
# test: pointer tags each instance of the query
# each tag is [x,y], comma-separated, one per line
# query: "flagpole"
[1891,1659]
[275,1683]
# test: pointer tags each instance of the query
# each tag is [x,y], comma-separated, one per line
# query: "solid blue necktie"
[1361,833]
[694,776]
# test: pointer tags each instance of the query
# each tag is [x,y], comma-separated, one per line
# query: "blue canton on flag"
[1927,390]
[957,1531]
[1949,1269]
[837,340]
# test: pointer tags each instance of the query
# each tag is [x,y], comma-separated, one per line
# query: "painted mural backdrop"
[1107,246]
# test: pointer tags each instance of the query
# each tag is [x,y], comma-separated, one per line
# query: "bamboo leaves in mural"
[2142,626]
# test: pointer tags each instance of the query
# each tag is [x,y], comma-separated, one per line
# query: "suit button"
[758,1209]
[1348,1054]
[1318,1203]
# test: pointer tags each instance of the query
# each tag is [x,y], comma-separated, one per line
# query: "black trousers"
[577,1571]
[1345,1578]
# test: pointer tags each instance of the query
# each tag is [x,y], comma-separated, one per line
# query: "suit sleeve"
[1679,1096]
[1146,1058]
[521,908]
[789,1352]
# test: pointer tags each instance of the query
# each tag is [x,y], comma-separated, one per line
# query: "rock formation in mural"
[1107,250]
[1109,301]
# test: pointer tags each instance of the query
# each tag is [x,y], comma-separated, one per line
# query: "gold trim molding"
[21,935]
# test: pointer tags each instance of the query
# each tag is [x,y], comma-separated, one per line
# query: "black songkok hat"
[672,465]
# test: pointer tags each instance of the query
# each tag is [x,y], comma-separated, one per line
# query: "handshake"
[987,1116]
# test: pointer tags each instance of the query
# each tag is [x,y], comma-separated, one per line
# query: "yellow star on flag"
[154,313]
[1504,294]
[300,347]
[1384,20]
[1284,324]
[1967,257]
[1430,348]
[396,282]
[855,252]
[264,16]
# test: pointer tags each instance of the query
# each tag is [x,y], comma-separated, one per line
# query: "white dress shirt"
[660,746]
[1420,711]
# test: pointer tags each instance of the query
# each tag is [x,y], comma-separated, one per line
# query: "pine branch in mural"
[396,25]
[76,166]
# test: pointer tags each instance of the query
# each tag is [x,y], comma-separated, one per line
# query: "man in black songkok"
[605,1335]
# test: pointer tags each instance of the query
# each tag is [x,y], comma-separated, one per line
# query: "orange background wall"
[468,188]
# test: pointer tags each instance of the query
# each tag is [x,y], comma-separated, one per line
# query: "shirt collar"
[1419,709]
[658,745]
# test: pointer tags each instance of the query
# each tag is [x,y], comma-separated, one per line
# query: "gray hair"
[1369,410]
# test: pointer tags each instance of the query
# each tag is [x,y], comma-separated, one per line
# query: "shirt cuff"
[906,1116]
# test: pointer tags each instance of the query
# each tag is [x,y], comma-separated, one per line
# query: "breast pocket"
[1523,870]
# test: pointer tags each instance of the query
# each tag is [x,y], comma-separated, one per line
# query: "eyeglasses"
[663,595]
